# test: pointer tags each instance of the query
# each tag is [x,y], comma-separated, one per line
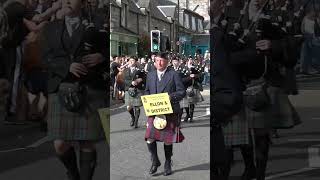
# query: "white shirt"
[132,69]
[72,24]
[160,74]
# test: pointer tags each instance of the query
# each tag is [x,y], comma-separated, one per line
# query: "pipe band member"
[67,64]
[164,80]
[135,83]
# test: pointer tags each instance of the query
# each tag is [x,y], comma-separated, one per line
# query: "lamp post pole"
[178,26]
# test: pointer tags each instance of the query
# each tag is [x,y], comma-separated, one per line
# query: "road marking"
[12,150]
[201,116]
[39,142]
[203,105]
[288,173]
[303,140]
[33,145]
[316,118]
[118,108]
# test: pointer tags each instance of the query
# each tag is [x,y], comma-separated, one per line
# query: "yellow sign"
[104,114]
[157,104]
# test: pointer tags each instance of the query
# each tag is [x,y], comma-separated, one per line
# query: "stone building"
[132,20]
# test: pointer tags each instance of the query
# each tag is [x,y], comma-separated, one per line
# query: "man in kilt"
[250,130]
[164,80]
[135,84]
[192,81]
[71,65]
[4,83]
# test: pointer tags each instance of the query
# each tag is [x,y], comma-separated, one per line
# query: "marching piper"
[135,84]
[164,80]
[192,80]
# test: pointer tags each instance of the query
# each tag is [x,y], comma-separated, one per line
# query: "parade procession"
[159,89]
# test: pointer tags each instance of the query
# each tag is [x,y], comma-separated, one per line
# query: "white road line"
[39,142]
[208,111]
[288,173]
[118,108]
[33,145]
[316,118]
[303,140]
[202,105]
[201,116]
[12,150]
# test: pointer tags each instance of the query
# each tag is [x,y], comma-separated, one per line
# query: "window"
[200,25]
[181,18]
[124,10]
[194,23]
[186,20]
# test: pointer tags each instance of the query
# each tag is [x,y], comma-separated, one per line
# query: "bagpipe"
[94,40]
[273,21]
[139,73]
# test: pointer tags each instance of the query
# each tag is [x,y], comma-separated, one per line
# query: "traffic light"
[155,40]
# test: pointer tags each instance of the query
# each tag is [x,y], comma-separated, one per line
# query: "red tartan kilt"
[170,134]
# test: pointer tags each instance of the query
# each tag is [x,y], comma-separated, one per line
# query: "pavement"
[130,158]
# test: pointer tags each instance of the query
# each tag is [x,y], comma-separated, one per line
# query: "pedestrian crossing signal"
[155,40]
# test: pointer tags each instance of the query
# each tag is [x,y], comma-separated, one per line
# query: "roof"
[192,12]
[142,3]
[133,7]
[168,11]
[155,11]
[166,3]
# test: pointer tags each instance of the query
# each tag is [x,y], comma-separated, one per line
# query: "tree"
[143,45]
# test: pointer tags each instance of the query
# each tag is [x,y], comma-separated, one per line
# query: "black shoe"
[154,157]
[132,122]
[167,168]
[186,119]
[72,177]
[154,167]
[249,174]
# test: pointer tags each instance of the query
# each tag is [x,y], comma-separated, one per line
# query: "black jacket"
[59,51]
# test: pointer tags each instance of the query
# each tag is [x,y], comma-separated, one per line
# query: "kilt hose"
[170,134]
[69,126]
